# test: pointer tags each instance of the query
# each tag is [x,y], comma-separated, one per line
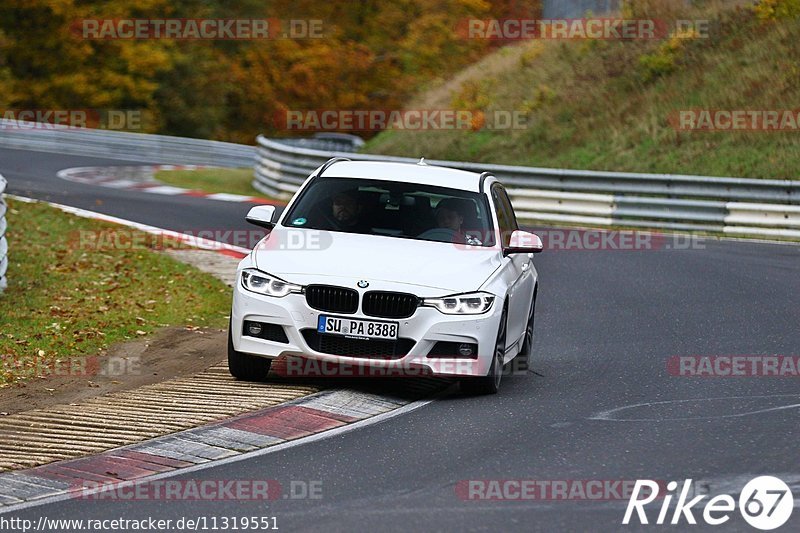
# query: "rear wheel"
[490,383]
[245,366]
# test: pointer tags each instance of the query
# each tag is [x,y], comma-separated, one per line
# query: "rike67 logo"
[765,503]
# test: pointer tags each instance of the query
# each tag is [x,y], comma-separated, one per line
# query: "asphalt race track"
[607,324]
[33,174]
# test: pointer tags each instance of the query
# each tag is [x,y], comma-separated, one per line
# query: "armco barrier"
[124,146]
[738,206]
[150,148]
[3,240]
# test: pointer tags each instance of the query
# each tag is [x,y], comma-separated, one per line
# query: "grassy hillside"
[605,105]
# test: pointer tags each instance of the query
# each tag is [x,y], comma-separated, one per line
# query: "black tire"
[490,383]
[245,366]
[521,362]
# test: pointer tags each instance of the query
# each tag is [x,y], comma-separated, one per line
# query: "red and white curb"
[142,179]
[292,423]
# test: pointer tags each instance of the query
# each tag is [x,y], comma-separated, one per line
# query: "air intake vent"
[367,349]
[389,304]
[332,299]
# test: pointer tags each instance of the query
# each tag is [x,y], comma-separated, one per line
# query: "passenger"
[448,216]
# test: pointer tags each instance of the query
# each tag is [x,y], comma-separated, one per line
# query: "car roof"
[406,173]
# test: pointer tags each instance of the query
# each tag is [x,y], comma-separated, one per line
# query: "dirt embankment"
[172,352]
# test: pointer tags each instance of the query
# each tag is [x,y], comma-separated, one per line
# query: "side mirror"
[523,242]
[262,215]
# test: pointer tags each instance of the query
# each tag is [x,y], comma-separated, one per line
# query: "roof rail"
[330,162]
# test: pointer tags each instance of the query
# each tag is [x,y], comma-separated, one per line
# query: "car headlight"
[475,303]
[262,283]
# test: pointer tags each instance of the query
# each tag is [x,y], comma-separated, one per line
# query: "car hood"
[309,256]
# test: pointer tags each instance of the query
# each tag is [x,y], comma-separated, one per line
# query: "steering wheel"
[331,223]
[439,234]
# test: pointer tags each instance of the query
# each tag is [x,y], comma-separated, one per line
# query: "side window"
[505,214]
[509,208]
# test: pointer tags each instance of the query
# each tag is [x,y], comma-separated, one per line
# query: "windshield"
[393,209]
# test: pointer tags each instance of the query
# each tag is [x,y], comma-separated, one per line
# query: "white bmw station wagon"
[375,263]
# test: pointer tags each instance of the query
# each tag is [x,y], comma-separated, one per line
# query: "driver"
[346,211]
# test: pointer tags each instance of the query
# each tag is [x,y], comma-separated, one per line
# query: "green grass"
[213,180]
[604,105]
[67,297]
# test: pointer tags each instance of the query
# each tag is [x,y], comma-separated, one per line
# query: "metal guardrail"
[150,148]
[3,240]
[736,206]
[123,145]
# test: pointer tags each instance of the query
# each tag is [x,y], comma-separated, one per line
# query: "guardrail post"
[3,241]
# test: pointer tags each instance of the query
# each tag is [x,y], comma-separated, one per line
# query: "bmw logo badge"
[363,284]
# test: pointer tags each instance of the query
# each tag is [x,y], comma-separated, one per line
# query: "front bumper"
[423,329]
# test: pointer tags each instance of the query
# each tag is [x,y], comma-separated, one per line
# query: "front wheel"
[522,361]
[245,366]
[490,383]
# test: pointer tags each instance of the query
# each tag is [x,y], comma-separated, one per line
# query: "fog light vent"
[263,330]
[454,350]
[465,350]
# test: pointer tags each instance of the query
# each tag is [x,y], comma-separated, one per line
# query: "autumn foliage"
[372,54]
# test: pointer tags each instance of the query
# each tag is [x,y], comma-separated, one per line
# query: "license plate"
[356,328]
